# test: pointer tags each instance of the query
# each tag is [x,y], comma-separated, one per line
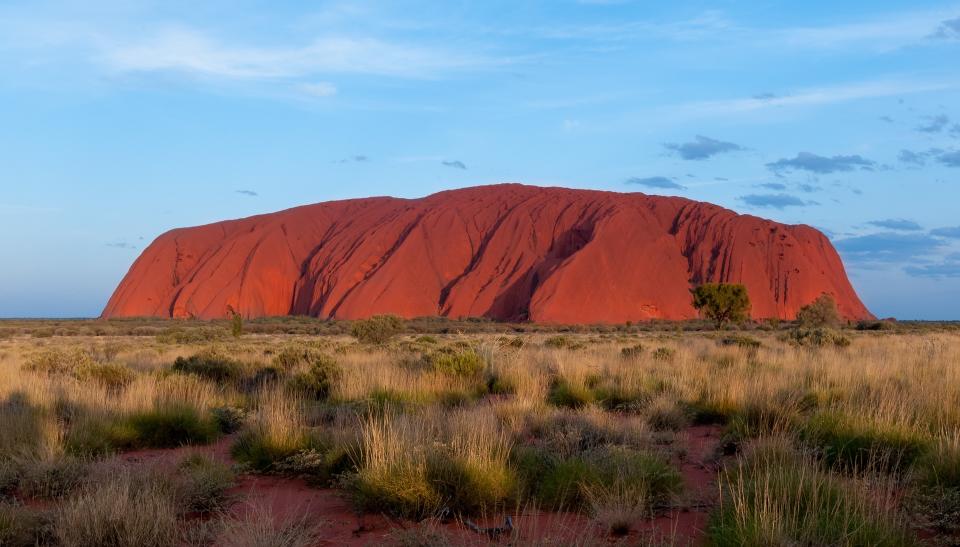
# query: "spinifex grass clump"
[171,425]
[776,496]
[154,412]
[414,466]
[316,375]
[202,484]
[464,362]
[211,364]
[122,510]
[600,477]
[22,526]
[570,393]
[275,431]
[851,444]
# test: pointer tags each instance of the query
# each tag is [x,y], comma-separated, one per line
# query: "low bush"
[202,485]
[741,341]
[664,354]
[318,380]
[667,414]
[501,384]
[210,364]
[113,376]
[562,342]
[59,362]
[319,467]
[821,313]
[229,419]
[51,477]
[631,352]
[876,325]
[465,363]
[378,329]
[183,336]
[818,337]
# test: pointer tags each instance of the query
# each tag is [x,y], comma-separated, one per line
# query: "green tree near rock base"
[722,302]
[820,313]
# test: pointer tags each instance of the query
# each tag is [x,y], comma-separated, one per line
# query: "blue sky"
[122,119]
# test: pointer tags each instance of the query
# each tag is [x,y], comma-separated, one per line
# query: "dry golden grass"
[405,437]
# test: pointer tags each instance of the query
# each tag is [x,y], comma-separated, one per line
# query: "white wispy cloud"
[884,31]
[180,49]
[815,96]
[889,31]
[319,89]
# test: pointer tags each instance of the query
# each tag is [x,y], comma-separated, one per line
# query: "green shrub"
[318,467]
[202,485]
[667,414]
[562,342]
[173,425]
[818,337]
[470,487]
[80,364]
[664,354]
[51,477]
[211,365]
[113,376]
[515,342]
[722,302]
[236,325]
[179,335]
[560,486]
[821,313]
[318,380]
[500,384]
[565,394]
[568,483]
[98,434]
[741,341]
[264,453]
[876,325]
[464,363]
[59,362]
[229,419]
[378,329]
[631,352]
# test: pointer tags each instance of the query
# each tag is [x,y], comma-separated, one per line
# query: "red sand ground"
[506,252]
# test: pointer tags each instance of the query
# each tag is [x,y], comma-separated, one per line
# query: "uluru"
[506,252]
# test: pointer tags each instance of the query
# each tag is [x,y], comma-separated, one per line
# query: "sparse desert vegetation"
[433,433]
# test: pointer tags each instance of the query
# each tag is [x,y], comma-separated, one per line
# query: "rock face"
[507,252]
